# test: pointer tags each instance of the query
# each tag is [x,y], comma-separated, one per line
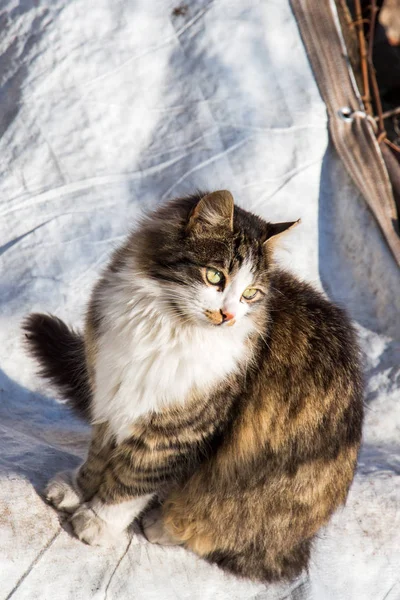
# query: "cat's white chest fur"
[145,363]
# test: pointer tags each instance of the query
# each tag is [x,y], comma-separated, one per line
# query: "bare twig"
[363,56]
[358,21]
[390,113]
[391,145]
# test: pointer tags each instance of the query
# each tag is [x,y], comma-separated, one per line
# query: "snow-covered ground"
[107,108]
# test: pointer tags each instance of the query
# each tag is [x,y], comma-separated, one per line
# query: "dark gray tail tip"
[32,321]
[30,325]
[45,335]
[35,324]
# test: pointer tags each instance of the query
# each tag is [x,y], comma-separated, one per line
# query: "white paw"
[154,531]
[62,493]
[89,528]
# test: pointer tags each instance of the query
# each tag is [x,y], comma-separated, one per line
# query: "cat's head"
[208,260]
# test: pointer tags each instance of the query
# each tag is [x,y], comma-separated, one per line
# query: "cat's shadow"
[356,267]
[357,270]
[39,438]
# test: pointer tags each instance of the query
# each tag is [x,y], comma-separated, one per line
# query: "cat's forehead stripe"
[245,249]
[243,263]
[245,273]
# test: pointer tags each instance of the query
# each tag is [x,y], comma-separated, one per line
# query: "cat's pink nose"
[227,316]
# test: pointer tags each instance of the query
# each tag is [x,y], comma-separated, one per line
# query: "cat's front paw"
[63,493]
[90,528]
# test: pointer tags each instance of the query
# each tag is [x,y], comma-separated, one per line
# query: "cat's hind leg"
[154,529]
[170,525]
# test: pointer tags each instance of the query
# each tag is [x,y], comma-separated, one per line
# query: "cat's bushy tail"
[60,352]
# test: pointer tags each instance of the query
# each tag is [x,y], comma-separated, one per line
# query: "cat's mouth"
[226,323]
[218,318]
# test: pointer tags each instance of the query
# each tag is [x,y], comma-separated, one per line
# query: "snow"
[107,108]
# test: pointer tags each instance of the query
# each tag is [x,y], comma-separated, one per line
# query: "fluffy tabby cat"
[216,383]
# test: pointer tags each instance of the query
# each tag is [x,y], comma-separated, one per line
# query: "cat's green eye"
[214,276]
[250,293]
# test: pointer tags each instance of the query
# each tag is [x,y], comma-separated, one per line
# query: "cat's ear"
[213,210]
[276,230]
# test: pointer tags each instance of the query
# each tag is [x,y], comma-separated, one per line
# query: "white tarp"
[110,106]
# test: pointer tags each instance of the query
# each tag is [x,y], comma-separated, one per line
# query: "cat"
[223,392]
